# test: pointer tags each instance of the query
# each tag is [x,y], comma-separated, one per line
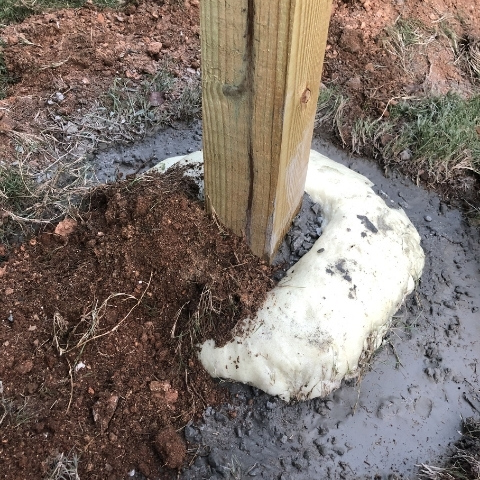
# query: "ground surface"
[379,52]
[125,409]
[150,275]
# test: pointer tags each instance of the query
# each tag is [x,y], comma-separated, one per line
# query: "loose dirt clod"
[171,448]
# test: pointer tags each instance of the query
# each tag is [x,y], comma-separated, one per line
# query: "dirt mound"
[100,319]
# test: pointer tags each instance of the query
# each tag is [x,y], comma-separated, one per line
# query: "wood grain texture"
[261,69]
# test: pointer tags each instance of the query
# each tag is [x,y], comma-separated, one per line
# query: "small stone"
[214,460]
[296,242]
[428,218]
[59,97]
[221,418]
[156,386]
[270,405]
[316,208]
[339,451]
[65,227]
[450,305]
[405,155]
[307,245]
[32,388]
[192,435]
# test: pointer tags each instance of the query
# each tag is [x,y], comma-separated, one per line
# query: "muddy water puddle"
[406,409]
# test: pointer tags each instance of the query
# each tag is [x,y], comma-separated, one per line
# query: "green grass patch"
[436,134]
[15,11]
[15,189]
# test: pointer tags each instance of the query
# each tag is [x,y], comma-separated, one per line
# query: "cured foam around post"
[333,308]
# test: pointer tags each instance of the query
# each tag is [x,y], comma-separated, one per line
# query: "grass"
[130,110]
[466,50]
[465,461]
[199,323]
[330,106]
[15,188]
[5,78]
[436,135]
[188,104]
[15,11]
[14,414]
[30,198]
[403,37]
[63,467]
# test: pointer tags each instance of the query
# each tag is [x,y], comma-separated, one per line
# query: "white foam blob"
[333,308]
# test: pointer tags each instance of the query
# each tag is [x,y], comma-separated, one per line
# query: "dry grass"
[330,107]
[465,461]
[404,38]
[63,467]
[89,328]
[31,197]
[13,413]
[130,110]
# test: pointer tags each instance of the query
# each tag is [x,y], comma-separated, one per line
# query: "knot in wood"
[306,96]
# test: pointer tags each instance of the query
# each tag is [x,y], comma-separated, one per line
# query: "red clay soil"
[80,52]
[100,318]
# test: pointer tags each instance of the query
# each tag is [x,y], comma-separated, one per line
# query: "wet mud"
[405,409]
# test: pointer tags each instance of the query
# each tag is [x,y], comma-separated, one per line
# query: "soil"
[134,403]
[100,318]
[79,52]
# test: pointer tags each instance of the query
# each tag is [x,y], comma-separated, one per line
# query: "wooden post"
[261,67]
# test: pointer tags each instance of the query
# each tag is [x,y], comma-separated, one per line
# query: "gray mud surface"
[406,409]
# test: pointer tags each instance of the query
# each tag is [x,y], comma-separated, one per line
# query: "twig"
[397,358]
[23,219]
[70,373]
[117,326]
[392,100]
[177,316]
[55,64]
